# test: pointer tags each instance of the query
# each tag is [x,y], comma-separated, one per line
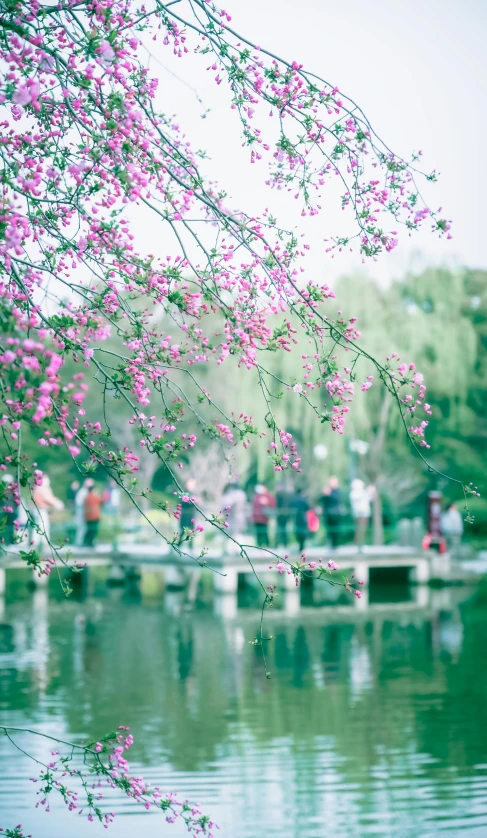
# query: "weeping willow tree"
[432,317]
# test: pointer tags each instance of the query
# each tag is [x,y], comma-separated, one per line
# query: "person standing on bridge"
[71,493]
[92,507]
[263,502]
[331,505]
[79,511]
[235,506]
[452,526]
[283,514]
[300,507]
[44,503]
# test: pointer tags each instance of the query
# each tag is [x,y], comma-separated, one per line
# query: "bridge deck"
[149,554]
[124,557]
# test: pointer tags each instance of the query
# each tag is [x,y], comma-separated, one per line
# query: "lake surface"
[373,724]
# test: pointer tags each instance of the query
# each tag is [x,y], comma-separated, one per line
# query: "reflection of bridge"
[424,603]
[184,571]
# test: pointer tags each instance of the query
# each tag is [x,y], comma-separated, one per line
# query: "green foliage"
[437,319]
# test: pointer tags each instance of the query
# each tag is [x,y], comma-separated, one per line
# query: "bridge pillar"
[228,583]
[422,595]
[116,575]
[440,566]
[362,603]
[292,597]
[38,581]
[361,571]
[193,585]
[420,572]
[175,577]
[226,606]
[80,581]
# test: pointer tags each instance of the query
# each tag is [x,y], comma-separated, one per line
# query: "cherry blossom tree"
[84,142]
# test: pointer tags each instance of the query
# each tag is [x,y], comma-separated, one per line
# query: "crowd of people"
[83,501]
[87,504]
[289,515]
[296,516]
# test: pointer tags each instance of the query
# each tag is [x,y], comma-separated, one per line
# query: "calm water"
[374,724]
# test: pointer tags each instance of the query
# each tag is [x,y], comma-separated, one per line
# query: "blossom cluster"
[91,769]
[318,568]
[82,139]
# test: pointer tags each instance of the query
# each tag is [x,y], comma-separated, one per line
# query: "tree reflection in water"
[370,721]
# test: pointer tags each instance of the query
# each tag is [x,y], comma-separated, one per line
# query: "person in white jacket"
[360,501]
[235,505]
[452,526]
[45,502]
[79,511]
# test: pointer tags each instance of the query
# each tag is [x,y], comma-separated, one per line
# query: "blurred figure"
[71,494]
[92,510]
[331,505]
[79,511]
[283,515]
[361,509]
[234,501]
[112,498]
[300,507]
[452,526]
[44,503]
[262,502]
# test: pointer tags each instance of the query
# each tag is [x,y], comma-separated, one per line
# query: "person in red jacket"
[262,502]
[93,505]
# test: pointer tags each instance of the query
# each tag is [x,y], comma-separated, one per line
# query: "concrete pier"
[226,581]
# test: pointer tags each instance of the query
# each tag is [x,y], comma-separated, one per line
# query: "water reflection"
[373,723]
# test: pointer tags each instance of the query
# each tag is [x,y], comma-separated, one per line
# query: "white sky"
[418,70]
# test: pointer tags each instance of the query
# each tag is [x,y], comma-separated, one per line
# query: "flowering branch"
[91,768]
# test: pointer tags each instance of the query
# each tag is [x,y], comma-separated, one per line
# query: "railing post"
[421,572]
[361,573]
